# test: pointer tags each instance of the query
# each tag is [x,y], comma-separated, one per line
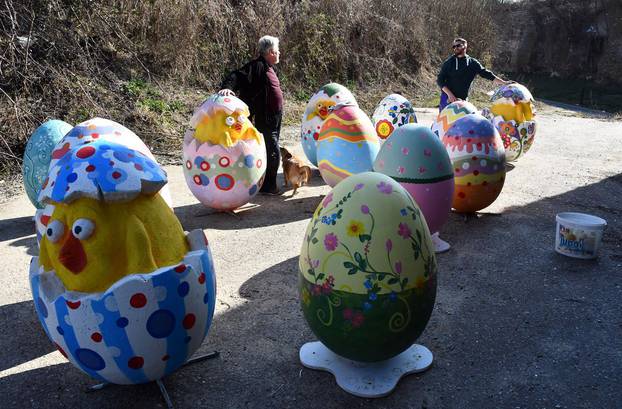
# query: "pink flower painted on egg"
[405,151]
[385,188]
[404,230]
[427,152]
[422,169]
[400,170]
[330,242]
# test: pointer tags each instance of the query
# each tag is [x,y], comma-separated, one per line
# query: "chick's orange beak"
[237,126]
[323,112]
[72,255]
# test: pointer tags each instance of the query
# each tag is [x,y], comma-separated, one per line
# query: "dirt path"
[515,324]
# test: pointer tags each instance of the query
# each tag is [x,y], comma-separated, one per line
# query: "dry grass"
[148,64]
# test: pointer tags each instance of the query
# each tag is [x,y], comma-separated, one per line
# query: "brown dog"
[294,170]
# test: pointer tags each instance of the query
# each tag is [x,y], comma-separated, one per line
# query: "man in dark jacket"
[259,87]
[458,72]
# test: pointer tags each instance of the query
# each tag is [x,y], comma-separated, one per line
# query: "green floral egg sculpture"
[367,269]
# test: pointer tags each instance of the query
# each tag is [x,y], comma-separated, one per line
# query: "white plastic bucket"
[578,234]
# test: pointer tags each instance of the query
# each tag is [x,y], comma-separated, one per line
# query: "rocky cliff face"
[579,39]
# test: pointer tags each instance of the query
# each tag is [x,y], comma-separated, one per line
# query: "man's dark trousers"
[269,125]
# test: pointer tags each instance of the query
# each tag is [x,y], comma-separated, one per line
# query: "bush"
[148,64]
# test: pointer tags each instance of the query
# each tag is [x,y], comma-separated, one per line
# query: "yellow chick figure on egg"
[91,244]
[518,112]
[322,109]
[219,127]
[107,219]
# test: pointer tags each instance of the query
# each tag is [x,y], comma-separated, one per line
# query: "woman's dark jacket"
[251,84]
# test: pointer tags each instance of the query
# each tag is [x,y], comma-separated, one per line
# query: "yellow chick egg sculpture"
[224,155]
[119,288]
[513,115]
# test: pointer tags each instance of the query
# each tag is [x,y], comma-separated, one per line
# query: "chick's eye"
[241,119]
[230,121]
[55,230]
[82,229]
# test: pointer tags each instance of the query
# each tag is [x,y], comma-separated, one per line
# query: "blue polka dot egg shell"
[98,129]
[141,329]
[102,167]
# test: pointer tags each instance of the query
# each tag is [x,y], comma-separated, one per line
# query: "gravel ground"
[515,324]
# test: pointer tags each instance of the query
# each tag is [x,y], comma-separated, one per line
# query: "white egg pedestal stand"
[440,245]
[365,379]
[163,391]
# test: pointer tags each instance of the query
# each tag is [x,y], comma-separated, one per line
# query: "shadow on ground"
[29,243]
[22,231]
[524,327]
[22,337]
[16,228]
[262,211]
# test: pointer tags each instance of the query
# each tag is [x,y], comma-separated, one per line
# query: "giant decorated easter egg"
[513,114]
[478,159]
[38,155]
[367,269]
[122,292]
[224,155]
[391,113]
[104,130]
[450,114]
[348,144]
[317,111]
[415,157]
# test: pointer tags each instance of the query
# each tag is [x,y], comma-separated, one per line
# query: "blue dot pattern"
[161,324]
[249,161]
[102,168]
[183,289]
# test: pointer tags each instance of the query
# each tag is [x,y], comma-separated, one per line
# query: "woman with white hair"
[258,86]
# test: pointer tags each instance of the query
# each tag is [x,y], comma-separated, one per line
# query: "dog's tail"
[307,173]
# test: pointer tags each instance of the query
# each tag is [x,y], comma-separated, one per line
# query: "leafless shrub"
[75,59]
